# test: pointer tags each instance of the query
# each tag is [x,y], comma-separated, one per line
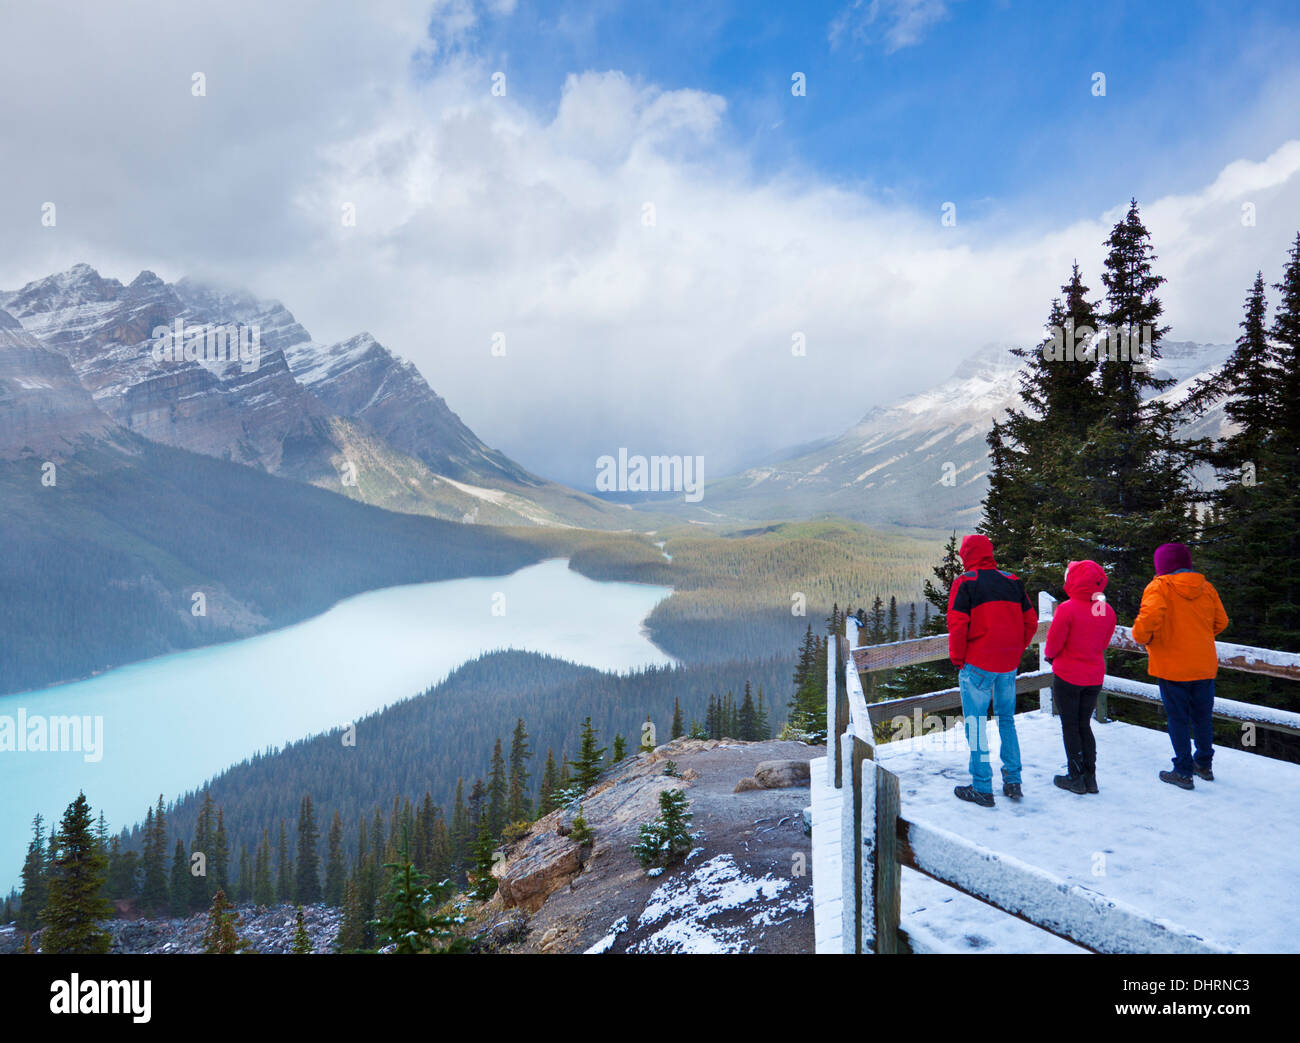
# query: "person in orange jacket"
[1180,617]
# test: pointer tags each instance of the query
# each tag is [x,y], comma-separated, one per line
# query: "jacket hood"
[977,552]
[1083,579]
[1187,584]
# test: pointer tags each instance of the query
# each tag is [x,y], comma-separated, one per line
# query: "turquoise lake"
[171,723]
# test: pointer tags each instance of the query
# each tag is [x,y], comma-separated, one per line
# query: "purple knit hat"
[1170,557]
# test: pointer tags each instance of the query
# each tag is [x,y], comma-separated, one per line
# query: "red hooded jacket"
[1081,627]
[990,619]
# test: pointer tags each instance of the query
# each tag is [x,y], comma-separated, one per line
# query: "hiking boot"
[1012,790]
[1174,779]
[1090,781]
[970,793]
[1206,773]
[1073,783]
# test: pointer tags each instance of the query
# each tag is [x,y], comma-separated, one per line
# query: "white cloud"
[479,214]
[900,23]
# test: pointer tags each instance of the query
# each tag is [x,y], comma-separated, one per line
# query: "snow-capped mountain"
[352,416]
[43,407]
[923,460]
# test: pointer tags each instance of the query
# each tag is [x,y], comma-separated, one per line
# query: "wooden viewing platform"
[900,865]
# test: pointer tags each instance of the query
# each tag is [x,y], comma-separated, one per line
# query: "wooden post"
[855,754]
[858,892]
[1046,604]
[1103,707]
[841,695]
[835,707]
[888,873]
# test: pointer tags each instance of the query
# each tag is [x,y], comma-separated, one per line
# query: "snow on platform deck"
[1222,861]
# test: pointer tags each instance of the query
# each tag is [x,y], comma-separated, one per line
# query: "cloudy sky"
[639,197]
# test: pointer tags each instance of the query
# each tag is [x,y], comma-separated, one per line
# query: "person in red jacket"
[990,624]
[1076,645]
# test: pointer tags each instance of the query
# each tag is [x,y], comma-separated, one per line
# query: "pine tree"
[620,749]
[155,894]
[307,890]
[34,879]
[550,783]
[485,884]
[352,930]
[301,944]
[411,925]
[748,726]
[459,828]
[667,838]
[180,888]
[263,884]
[283,868]
[1035,471]
[220,868]
[1241,526]
[498,792]
[521,808]
[75,904]
[587,766]
[244,886]
[335,874]
[221,935]
[677,730]
[1138,493]
[1280,626]
[201,891]
[762,721]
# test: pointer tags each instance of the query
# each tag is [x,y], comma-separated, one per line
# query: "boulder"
[746,784]
[547,863]
[782,774]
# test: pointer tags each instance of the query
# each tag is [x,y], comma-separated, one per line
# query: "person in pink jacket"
[1076,645]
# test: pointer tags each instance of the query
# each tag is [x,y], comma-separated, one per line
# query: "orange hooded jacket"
[1180,617]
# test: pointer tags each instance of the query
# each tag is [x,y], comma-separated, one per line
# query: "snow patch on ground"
[713,908]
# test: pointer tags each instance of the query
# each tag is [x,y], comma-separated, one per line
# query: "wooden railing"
[877,838]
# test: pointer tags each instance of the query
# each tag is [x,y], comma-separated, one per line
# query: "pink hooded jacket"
[1082,627]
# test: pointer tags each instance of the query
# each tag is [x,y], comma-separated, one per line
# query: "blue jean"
[1189,706]
[979,688]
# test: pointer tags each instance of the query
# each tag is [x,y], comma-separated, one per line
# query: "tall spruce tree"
[307,889]
[335,871]
[34,879]
[587,765]
[283,868]
[1138,493]
[75,902]
[498,792]
[520,806]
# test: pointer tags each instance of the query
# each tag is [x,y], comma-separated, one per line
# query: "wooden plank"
[888,875]
[870,658]
[837,709]
[1224,709]
[1244,658]
[946,699]
[1085,918]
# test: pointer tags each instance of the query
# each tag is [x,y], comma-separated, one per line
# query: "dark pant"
[1190,708]
[1075,704]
